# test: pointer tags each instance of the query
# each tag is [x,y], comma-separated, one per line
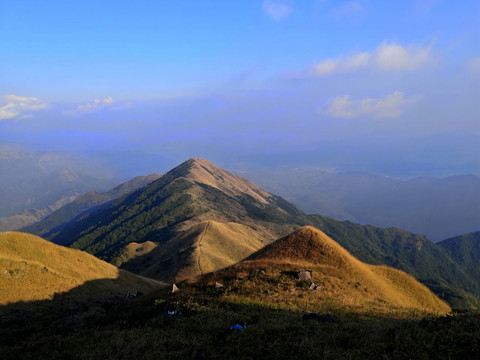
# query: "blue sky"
[383,86]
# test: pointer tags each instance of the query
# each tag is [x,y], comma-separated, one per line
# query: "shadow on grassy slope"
[118,327]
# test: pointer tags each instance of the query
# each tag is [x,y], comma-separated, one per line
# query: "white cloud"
[388,107]
[341,65]
[20,107]
[385,57]
[343,107]
[473,65]
[96,105]
[276,10]
[397,57]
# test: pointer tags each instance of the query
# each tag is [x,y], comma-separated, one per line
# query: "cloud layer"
[388,107]
[19,107]
[95,105]
[387,56]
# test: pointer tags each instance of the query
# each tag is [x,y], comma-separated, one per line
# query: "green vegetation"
[170,211]
[465,249]
[428,262]
[87,203]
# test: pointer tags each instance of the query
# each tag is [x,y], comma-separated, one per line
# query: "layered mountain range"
[435,207]
[198,218]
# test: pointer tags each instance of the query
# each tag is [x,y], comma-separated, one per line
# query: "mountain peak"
[203,171]
[307,243]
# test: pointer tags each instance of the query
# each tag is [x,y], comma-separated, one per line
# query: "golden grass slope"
[32,268]
[203,247]
[343,279]
[220,245]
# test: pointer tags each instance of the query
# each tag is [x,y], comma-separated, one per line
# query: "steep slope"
[86,203]
[34,269]
[156,231]
[465,249]
[412,253]
[170,212]
[205,247]
[339,277]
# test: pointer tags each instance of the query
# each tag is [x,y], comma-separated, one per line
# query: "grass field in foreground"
[141,329]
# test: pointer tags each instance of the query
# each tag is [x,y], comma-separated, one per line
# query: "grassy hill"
[32,269]
[268,276]
[198,218]
[428,262]
[170,212]
[205,247]
[369,312]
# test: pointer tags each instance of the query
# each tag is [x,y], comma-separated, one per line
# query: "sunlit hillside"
[340,280]
[205,247]
[32,268]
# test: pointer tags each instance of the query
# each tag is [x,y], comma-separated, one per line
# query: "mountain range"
[438,208]
[43,180]
[198,218]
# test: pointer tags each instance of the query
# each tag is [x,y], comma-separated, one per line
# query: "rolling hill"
[199,218]
[172,211]
[205,247]
[32,269]
[338,277]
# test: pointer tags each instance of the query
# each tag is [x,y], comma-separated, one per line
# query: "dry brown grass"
[134,250]
[345,281]
[32,268]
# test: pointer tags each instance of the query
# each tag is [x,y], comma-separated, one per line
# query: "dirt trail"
[200,246]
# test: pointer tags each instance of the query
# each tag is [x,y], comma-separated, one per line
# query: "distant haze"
[385,87]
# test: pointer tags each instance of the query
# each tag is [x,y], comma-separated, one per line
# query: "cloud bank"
[19,107]
[387,56]
[97,104]
[388,107]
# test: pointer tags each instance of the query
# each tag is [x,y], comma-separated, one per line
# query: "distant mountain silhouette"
[39,180]
[436,208]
